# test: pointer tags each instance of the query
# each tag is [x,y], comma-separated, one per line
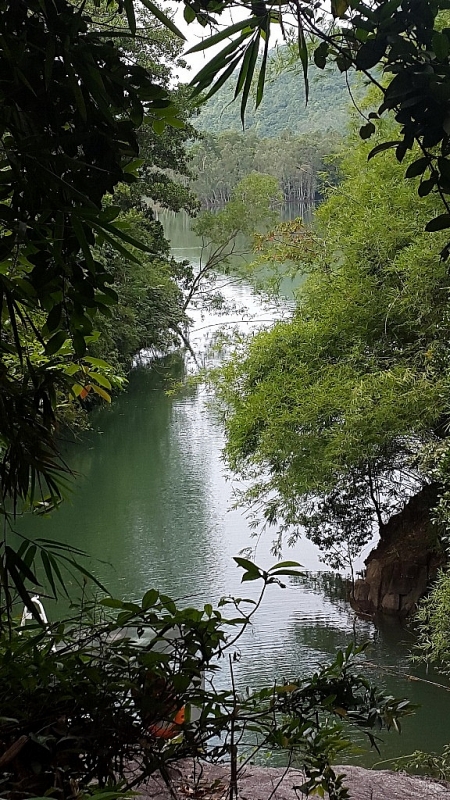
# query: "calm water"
[152,504]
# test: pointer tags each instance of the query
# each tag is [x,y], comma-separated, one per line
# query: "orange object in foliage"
[168,730]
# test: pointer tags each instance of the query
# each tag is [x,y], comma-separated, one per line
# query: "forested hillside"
[285,137]
[283,107]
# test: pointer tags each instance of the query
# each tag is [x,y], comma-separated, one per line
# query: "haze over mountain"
[283,107]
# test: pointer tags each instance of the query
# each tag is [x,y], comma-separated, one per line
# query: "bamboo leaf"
[244,69]
[249,77]
[86,250]
[13,558]
[131,17]
[49,572]
[251,23]
[262,73]
[206,75]
[115,244]
[223,78]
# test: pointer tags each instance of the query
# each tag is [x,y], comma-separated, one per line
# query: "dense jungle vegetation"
[285,137]
[89,126]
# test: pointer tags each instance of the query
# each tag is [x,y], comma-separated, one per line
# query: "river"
[151,507]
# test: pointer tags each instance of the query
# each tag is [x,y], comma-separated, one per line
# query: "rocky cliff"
[404,562]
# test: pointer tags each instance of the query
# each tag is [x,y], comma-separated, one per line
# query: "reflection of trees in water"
[325,638]
[391,640]
[332,585]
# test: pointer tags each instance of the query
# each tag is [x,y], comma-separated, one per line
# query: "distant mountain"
[283,106]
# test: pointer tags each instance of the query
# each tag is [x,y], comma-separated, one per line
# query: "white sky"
[194,33]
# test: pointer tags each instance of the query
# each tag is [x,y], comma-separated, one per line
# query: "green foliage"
[433,645]
[220,162]
[71,104]
[78,82]
[165,167]
[249,208]
[226,234]
[104,703]
[432,649]
[435,764]
[149,312]
[85,704]
[409,42]
[329,413]
[283,108]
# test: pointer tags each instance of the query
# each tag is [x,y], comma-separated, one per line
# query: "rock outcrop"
[211,782]
[406,559]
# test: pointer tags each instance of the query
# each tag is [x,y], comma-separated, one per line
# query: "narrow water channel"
[152,505]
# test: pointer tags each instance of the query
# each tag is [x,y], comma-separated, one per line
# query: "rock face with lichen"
[406,559]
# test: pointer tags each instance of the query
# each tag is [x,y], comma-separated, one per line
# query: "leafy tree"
[227,233]
[408,42]
[71,104]
[331,414]
[149,313]
[76,87]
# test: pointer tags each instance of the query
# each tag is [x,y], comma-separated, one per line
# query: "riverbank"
[211,782]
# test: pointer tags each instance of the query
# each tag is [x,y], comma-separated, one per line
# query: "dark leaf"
[440,45]
[438,223]
[131,17]
[381,147]
[253,50]
[367,130]
[251,23]
[55,343]
[417,167]
[370,54]
[426,187]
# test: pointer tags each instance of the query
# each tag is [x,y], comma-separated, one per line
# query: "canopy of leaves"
[76,85]
[149,313]
[84,92]
[250,207]
[328,413]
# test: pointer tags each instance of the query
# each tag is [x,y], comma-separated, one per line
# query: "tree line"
[299,163]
